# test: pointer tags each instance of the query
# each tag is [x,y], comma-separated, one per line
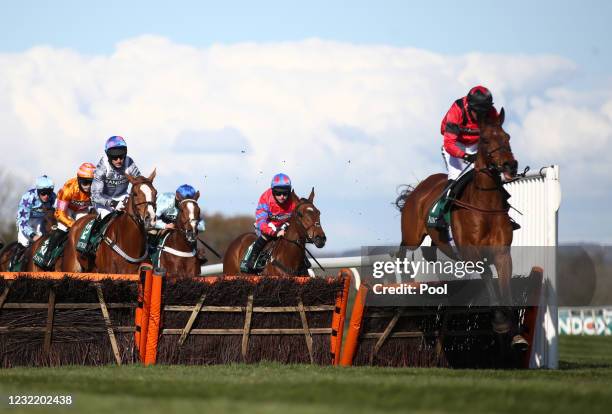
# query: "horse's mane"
[141,180]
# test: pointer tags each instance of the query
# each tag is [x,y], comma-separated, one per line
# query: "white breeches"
[455,166]
[103,211]
[36,224]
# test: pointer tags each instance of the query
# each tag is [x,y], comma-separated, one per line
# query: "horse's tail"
[404,191]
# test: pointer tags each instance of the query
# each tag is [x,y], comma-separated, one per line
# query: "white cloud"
[352,120]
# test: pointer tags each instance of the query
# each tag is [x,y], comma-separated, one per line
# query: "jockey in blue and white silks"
[167,207]
[110,183]
[31,212]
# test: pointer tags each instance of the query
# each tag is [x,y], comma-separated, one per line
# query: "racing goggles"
[116,154]
[45,192]
[85,182]
[281,192]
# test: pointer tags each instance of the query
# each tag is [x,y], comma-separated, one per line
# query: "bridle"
[301,241]
[181,223]
[304,230]
[136,217]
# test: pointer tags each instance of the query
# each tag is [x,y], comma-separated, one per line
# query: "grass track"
[584,384]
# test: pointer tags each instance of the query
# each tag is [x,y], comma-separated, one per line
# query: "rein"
[139,221]
[298,242]
[472,207]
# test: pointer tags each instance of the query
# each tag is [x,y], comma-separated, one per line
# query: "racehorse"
[287,253]
[480,224]
[178,252]
[47,225]
[124,246]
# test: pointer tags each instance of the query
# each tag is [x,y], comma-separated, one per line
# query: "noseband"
[136,217]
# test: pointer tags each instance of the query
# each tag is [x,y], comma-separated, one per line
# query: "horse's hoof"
[519,343]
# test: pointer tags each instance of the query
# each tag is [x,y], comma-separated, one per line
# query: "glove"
[469,157]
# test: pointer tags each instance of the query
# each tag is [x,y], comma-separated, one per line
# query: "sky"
[345,96]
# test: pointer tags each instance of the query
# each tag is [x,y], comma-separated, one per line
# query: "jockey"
[274,209]
[167,207]
[110,184]
[461,134]
[32,211]
[74,199]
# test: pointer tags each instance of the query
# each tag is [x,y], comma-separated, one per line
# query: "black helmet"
[479,99]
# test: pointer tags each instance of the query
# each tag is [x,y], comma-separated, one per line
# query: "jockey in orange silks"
[74,199]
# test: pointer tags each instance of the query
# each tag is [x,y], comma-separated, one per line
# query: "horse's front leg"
[502,261]
[503,264]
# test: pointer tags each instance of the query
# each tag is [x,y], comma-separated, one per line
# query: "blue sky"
[579,30]
[366,83]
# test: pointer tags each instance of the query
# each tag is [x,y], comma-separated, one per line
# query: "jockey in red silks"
[461,134]
[273,211]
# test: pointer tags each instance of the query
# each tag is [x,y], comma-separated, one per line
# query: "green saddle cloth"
[436,211]
[155,248]
[93,233]
[50,250]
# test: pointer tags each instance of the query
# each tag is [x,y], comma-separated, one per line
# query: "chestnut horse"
[289,252]
[124,246]
[10,249]
[480,223]
[178,254]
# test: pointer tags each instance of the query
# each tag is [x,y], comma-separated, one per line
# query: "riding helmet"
[43,182]
[186,192]
[86,170]
[479,99]
[281,181]
[115,146]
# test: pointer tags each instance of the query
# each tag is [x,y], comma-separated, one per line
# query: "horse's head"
[49,220]
[494,152]
[309,217]
[188,217]
[143,199]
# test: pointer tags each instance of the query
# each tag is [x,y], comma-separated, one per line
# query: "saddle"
[50,250]
[442,205]
[93,233]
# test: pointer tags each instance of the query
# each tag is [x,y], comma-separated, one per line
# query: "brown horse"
[478,219]
[48,223]
[124,246]
[288,252]
[178,254]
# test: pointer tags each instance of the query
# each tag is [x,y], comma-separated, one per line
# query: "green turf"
[584,384]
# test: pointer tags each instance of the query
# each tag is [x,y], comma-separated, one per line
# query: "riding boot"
[201,255]
[514,224]
[15,262]
[306,265]
[258,246]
